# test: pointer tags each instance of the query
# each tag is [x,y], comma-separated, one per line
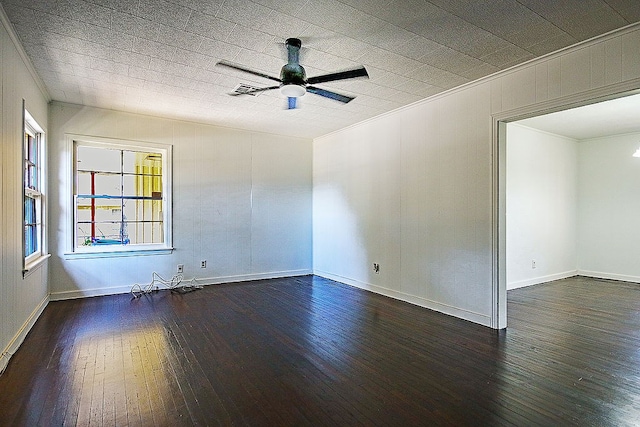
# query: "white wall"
[432,221]
[21,299]
[609,208]
[541,206]
[407,191]
[241,201]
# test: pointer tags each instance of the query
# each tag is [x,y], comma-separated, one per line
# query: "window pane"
[83,231]
[132,160]
[107,185]
[98,159]
[30,226]
[130,185]
[32,149]
[31,177]
[31,162]
[31,239]
[131,209]
[83,183]
[145,232]
[29,210]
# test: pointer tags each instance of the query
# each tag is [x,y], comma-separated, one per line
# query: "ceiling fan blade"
[252,91]
[246,70]
[292,103]
[329,94]
[341,75]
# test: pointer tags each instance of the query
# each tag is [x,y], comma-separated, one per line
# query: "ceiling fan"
[293,81]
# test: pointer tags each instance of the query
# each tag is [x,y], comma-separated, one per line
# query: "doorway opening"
[565,184]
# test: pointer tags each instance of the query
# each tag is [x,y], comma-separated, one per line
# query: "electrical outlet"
[180,268]
[203,263]
[376,267]
[533,264]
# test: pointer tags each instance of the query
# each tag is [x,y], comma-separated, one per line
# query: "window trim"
[31,126]
[108,251]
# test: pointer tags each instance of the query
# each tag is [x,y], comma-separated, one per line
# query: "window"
[121,199]
[34,185]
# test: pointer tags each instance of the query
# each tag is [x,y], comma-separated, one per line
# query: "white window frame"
[100,251]
[31,127]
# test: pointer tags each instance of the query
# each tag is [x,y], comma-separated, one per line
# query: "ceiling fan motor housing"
[293,74]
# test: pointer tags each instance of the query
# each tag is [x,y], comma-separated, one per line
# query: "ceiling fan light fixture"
[292,90]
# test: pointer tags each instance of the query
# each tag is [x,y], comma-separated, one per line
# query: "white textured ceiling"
[614,117]
[158,57]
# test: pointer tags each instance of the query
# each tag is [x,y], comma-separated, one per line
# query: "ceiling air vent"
[245,89]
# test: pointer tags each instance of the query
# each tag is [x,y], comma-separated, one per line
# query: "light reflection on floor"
[110,372]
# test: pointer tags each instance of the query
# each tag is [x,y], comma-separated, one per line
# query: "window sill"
[34,264]
[116,254]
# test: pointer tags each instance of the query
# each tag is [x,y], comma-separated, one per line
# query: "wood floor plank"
[310,351]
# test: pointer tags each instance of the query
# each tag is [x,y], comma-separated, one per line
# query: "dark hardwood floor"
[309,351]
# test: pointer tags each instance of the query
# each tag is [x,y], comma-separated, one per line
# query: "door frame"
[499,167]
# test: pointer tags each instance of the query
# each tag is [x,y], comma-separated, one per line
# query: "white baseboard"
[412,299]
[85,293]
[611,276]
[255,276]
[542,279]
[22,333]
